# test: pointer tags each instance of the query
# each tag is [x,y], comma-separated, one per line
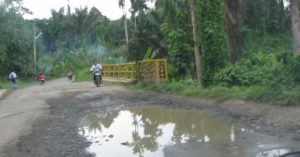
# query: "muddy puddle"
[161,132]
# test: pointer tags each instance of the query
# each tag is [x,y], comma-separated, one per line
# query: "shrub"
[295,69]
[258,69]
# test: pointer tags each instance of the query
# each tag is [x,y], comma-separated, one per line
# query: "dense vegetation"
[248,46]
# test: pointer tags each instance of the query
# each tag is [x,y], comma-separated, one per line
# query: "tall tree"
[195,38]
[16,6]
[178,36]
[295,25]
[137,6]
[15,42]
[232,14]
[181,36]
[213,40]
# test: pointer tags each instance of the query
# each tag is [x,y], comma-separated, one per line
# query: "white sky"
[42,8]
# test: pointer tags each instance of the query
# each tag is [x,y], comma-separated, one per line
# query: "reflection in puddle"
[156,132]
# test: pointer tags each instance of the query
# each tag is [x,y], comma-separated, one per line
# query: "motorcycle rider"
[41,78]
[96,67]
[70,74]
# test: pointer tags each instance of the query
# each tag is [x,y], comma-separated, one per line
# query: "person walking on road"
[13,78]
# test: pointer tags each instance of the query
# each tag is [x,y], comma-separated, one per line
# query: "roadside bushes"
[295,69]
[259,69]
[280,95]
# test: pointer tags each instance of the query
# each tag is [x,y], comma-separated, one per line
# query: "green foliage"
[234,75]
[15,43]
[277,95]
[72,31]
[257,69]
[73,40]
[112,33]
[57,64]
[268,43]
[145,33]
[264,16]
[180,54]
[179,42]
[150,54]
[260,93]
[213,52]
[295,69]
[185,86]
[84,74]
[6,83]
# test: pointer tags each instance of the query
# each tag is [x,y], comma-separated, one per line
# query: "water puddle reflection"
[158,132]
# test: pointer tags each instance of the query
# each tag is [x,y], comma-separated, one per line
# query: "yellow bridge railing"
[151,70]
[126,71]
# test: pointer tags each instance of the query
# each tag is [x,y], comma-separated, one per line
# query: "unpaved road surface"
[42,121]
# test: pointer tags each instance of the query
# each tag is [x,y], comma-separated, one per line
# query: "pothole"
[153,131]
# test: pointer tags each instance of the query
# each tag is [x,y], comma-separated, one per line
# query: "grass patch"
[275,95]
[6,84]
[84,75]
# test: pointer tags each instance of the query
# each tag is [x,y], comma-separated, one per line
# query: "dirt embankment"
[43,120]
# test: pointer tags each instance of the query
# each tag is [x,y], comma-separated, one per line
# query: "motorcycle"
[97,78]
[42,81]
[70,77]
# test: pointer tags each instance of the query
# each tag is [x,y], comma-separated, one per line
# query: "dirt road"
[42,121]
[22,108]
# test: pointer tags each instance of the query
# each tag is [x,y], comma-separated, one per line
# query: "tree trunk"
[195,39]
[295,26]
[231,11]
[126,34]
[122,5]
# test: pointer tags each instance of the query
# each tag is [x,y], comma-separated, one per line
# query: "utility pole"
[35,37]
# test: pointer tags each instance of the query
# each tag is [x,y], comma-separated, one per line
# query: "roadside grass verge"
[280,95]
[275,95]
[83,75]
[6,84]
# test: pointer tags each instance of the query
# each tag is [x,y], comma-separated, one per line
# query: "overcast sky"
[42,8]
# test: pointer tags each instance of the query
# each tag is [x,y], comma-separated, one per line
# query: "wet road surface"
[85,121]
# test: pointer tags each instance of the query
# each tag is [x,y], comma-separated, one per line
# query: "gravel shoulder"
[43,120]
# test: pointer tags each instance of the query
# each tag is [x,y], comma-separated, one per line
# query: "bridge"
[148,70]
